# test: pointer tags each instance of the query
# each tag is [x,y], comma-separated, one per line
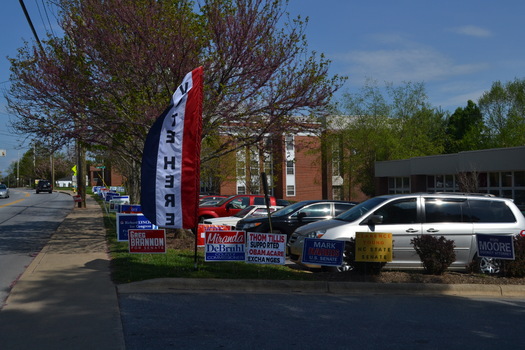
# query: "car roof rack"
[464,194]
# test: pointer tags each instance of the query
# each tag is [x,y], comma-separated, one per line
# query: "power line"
[31,24]
[46,15]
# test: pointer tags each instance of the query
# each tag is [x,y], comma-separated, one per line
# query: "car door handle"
[432,230]
[411,230]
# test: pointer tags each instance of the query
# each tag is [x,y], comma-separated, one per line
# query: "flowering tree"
[113,72]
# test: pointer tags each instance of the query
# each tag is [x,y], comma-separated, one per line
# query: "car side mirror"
[375,219]
[301,215]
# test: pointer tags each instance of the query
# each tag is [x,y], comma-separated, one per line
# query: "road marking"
[17,201]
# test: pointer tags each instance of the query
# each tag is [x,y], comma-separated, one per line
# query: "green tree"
[381,126]
[503,108]
[465,130]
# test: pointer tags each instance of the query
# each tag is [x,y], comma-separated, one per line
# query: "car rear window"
[342,207]
[490,211]
[258,201]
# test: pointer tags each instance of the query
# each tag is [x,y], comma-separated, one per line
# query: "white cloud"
[471,30]
[397,65]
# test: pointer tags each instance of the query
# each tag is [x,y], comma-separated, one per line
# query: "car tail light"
[522,233]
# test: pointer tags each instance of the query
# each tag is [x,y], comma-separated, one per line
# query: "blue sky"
[458,48]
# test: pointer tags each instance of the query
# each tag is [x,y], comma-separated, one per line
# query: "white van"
[456,216]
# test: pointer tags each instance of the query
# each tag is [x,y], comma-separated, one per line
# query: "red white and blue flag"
[171,159]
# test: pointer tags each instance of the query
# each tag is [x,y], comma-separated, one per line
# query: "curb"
[175,285]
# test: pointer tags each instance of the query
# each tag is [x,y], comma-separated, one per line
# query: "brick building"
[297,169]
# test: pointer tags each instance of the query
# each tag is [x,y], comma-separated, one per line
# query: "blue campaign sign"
[127,222]
[130,208]
[495,246]
[110,195]
[323,252]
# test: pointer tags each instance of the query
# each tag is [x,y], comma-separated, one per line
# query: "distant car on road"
[250,211]
[44,186]
[295,215]
[4,191]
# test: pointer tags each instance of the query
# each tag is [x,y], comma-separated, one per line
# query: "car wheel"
[348,260]
[489,266]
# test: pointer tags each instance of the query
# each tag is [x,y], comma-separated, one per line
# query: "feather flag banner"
[170,182]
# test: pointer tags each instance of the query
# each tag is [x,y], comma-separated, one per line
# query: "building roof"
[487,160]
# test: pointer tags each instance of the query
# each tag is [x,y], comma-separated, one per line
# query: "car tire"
[488,266]
[348,260]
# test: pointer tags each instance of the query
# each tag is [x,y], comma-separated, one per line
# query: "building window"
[336,160]
[288,140]
[398,185]
[241,169]
[519,178]
[442,183]
[241,189]
[290,167]
[290,190]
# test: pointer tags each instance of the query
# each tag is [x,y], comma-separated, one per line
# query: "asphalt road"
[304,321]
[27,221]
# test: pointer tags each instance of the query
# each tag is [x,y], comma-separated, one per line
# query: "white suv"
[458,217]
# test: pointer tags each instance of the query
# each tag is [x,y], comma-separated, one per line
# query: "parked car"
[211,198]
[295,215]
[4,191]
[44,186]
[232,205]
[250,211]
[457,217]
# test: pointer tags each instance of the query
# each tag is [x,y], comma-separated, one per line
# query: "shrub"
[516,267]
[436,254]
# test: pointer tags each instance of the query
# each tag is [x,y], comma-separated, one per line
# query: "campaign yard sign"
[225,246]
[147,241]
[130,208]
[116,202]
[202,228]
[373,246]
[266,248]
[495,246]
[126,222]
[323,252]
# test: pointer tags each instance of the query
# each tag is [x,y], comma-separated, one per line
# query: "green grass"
[127,267]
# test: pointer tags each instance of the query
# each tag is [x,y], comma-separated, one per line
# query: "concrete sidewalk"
[65,299]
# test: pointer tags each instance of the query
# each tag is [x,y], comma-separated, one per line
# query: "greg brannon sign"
[373,246]
[266,248]
[147,241]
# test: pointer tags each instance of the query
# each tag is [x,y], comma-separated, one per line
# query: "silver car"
[4,191]
[457,217]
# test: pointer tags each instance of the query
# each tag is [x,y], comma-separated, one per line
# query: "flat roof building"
[498,171]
